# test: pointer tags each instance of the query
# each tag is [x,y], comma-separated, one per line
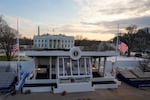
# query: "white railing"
[41,81]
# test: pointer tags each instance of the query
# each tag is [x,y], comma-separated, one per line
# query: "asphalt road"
[124,92]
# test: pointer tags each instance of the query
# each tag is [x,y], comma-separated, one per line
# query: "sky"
[93,19]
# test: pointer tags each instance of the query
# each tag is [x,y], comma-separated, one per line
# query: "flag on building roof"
[15,47]
[123,48]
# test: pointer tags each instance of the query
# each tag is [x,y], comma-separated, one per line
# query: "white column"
[56,45]
[85,68]
[63,66]
[52,43]
[78,67]
[50,67]
[63,43]
[60,45]
[58,67]
[104,66]
[71,67]
[90,65]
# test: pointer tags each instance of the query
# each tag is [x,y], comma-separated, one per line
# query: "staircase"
[7,81]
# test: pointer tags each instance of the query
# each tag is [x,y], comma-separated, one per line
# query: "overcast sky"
[93,19]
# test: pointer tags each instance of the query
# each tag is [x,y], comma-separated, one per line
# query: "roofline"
[67,53]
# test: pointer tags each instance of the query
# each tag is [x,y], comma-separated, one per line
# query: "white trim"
[63,66]
[67,54]
[75,76]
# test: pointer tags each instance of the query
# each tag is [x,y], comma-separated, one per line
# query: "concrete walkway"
[124,92]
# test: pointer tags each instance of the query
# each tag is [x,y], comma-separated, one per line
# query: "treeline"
[90,45]
[137,40]
[25,41]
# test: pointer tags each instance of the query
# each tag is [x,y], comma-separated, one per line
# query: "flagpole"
[117,38]
[18,59]
[18,39]
[117,41]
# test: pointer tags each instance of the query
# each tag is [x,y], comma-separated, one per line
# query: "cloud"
[107,14]
[27,27]
[110,10]
[96,17]
[123,23]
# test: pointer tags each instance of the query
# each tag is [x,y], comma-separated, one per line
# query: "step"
[74,87]
[38,89]
[106,84]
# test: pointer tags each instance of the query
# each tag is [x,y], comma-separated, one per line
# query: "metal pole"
[117,42]
[117,39]
[18,39]
[18,59]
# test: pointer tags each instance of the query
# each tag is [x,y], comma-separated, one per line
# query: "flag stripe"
[122,47]
[15,47]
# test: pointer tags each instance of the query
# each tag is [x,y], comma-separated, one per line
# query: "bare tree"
[129,37]
[7,35]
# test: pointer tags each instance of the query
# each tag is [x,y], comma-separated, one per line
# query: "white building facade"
[53,41]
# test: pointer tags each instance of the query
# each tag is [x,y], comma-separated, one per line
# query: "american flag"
[122,47]
[15,47]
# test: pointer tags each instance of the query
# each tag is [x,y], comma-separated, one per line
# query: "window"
[74,67]
[61,69]
[67,66]
[88,66]
[81,66]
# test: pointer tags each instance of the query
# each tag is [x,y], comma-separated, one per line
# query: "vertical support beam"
[104,66]
[94,62]
[57,67]
[85,66]
[78,67]
[90,62]
[47,43]
[52,43]
[99,64]
[50,67]
[34,68]
[56,44]
[63,66]
[71,67]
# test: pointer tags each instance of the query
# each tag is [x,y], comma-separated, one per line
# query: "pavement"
[124,92]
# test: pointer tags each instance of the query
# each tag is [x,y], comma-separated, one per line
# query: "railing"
[41,81]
